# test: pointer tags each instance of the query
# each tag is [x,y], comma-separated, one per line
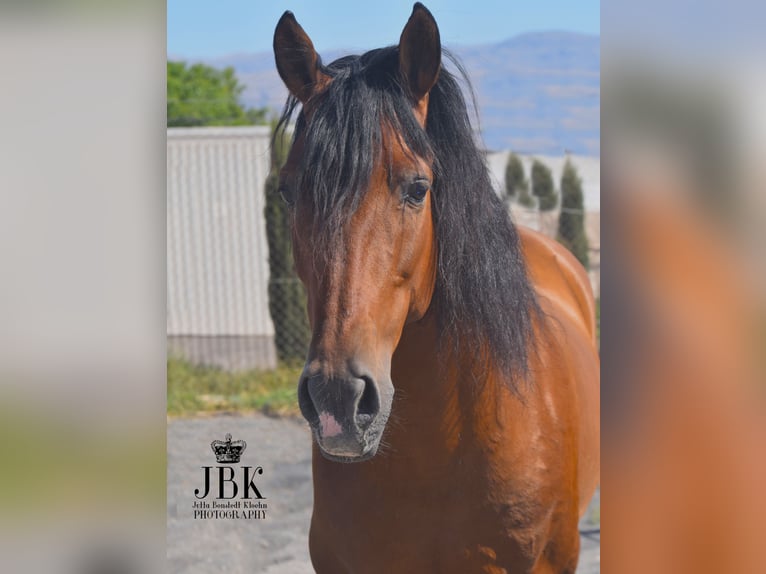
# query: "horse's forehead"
[400,155]
[393,155]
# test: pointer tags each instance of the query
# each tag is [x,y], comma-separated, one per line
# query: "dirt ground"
[276,544]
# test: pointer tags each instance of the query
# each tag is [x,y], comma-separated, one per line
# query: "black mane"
[483,297]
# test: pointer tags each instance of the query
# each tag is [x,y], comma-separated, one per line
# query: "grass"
[194,390]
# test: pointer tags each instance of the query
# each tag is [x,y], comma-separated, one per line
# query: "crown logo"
[228,451]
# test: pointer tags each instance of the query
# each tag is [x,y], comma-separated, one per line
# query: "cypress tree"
[542,186]
[525,199]
[287,298]
[515,179]
[571,229]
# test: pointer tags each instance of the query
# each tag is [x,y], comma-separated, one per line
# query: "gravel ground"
[277,544]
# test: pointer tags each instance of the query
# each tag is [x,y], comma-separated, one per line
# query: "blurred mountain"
[537,93]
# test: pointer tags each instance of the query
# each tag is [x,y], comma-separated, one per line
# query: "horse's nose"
[339,406]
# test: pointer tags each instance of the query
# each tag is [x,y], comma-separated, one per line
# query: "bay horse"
[451,382]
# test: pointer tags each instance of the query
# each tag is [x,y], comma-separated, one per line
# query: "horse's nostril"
[363,421]
[369,402]
[349,401]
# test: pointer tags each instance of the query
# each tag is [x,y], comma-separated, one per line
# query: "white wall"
[217,255]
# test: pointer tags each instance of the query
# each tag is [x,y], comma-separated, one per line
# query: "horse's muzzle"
[342,412]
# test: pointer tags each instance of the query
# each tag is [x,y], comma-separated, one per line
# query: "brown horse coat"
[434,502]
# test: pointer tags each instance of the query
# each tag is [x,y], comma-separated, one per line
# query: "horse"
[452,378]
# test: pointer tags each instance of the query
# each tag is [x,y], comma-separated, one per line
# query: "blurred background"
[82,325]
[683,391]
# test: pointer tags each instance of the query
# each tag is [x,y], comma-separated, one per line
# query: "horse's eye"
[415,192]
[287,195]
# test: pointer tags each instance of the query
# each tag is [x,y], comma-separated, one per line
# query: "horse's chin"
[349,458]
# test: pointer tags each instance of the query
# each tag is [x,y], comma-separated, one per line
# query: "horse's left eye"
[415,192]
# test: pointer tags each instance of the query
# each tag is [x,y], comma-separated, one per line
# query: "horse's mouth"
[347,432]
[347,450]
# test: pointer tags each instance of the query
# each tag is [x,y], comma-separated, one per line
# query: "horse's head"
[358,180]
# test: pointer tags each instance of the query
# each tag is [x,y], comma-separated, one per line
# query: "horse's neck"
[440,405]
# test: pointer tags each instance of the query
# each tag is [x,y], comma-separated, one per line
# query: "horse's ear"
[297,61]
[420,54]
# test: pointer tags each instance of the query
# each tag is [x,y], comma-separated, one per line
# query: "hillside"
[538,93]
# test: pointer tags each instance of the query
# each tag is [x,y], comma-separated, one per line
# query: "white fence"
[217,254]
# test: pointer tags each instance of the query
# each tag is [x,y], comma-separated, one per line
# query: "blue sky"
[210,28]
